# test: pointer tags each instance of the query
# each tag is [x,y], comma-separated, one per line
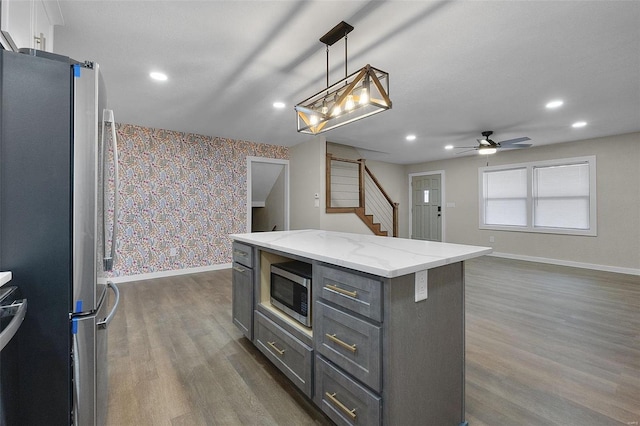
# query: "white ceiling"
[456,67]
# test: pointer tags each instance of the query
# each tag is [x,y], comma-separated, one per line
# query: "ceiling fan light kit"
[487,146]
[487,150]
[359,95]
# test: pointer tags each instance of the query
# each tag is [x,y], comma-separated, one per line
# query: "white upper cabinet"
[29,24]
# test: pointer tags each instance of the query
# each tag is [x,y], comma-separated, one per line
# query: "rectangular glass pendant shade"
[363,93]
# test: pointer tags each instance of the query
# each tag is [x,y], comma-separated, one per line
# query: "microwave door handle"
[108,260]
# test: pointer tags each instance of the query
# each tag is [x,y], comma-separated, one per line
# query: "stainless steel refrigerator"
[58,205]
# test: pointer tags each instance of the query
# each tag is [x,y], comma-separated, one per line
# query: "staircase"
[352,188]
[375,227]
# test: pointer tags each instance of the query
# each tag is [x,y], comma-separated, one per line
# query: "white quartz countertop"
[383,256]
[5,277]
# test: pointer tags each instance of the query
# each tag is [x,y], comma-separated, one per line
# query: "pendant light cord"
[345,54]
[327,65]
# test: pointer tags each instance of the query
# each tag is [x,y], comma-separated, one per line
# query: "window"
[556,196]
[505,197]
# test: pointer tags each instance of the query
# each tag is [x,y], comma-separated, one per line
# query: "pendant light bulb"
[349,104]
[336,109]
[364,92]
[364,96]
[313,120]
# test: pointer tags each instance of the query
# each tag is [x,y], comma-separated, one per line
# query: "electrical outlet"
[421,285]
[173,252]
[492,239]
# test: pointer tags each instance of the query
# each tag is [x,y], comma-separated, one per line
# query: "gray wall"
[306,176]
[618,199]
[616,247]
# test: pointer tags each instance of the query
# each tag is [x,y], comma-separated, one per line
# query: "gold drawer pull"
[341,406]
[353,294]
[239,269]
[333,338]
[241,253]
[275,348]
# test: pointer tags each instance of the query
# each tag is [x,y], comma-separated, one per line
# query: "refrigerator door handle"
[107,117]
[105,323]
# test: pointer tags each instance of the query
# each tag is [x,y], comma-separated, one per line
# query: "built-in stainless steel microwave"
[291,290]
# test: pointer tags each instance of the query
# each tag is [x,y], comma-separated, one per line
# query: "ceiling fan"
[488,146]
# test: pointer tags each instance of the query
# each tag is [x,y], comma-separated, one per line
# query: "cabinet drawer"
[290,355]
[358,293]
[243,254]
[345,401]
[349,342]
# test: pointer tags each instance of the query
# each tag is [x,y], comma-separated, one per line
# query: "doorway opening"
[267,194]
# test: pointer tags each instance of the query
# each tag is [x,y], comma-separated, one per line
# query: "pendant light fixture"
[359,95]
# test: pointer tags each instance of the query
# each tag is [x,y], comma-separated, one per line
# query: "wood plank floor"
[546,345]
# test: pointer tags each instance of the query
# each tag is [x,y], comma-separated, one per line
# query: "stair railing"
[351,187]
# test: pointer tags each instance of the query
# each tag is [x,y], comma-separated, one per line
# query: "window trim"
[529,166]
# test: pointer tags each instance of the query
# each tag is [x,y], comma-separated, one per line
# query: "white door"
[426,207]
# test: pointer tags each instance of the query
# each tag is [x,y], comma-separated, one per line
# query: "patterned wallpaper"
[182,191]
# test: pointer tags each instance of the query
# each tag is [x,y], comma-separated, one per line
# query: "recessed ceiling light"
[554,104]
[158,76]
[411,138]
[448,147]
[579,124]
[279,105]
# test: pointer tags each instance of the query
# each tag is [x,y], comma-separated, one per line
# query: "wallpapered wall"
[183,191]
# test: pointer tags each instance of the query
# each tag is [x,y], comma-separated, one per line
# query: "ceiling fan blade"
[467,150]
[517,146]
[516,140]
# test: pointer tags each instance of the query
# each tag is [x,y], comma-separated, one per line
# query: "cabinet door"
[42,28]
[242,294]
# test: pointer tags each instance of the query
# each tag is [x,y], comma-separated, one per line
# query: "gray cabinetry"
[351,343]
[343,399]
[289,354]
[357,293]
[243,288]
[375,356]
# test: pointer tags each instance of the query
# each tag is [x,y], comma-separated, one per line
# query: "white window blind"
[554,196]
[505,197]
[561,196]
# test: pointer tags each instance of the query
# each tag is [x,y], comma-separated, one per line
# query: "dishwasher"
[12,312]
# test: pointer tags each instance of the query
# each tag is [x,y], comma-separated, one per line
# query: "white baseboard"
[171,273]
[607,268]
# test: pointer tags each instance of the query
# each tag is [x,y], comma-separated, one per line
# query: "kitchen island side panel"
[423,370]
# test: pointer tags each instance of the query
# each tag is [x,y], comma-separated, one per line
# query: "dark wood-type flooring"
[545,345]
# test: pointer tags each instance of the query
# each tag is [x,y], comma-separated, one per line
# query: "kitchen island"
[386,341]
